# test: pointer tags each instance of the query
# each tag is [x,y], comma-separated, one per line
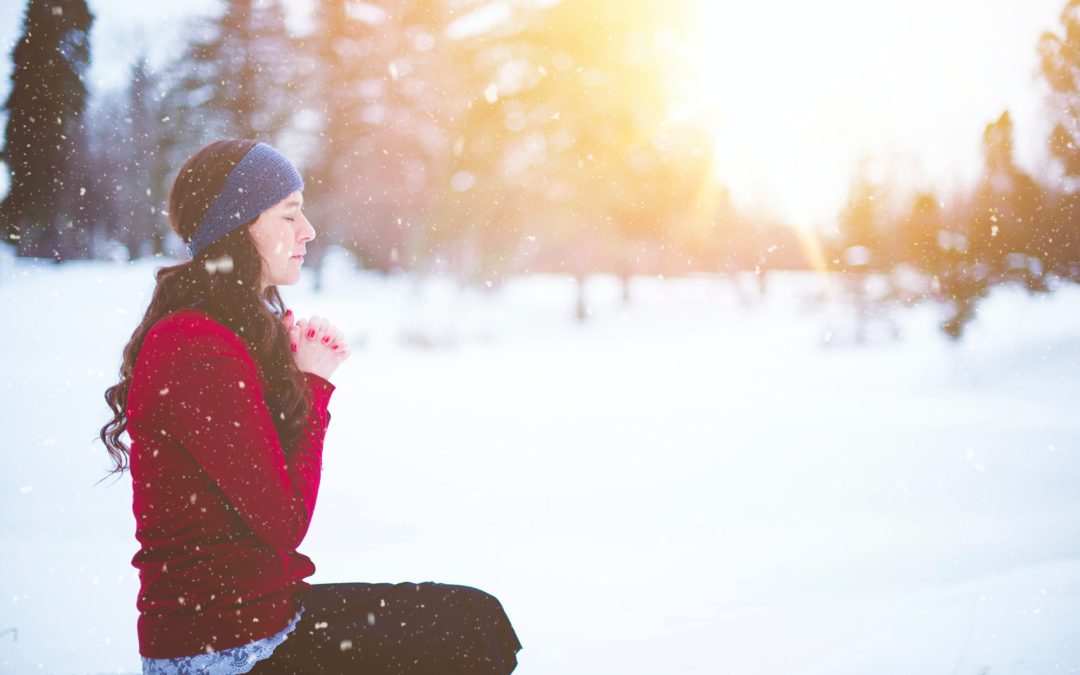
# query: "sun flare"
[798,92]
[776,91]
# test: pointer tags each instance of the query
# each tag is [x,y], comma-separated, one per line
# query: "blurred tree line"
[487,139]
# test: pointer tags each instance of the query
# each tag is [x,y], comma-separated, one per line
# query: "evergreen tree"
[559,100]
[151,172]
[237,77]
[1060,65]
[131,175]
[1005,230]
[44,141]
[859,248]
[337,55]
[1059,238]
[1066,239]
[107,136]
[860,243]
[380,146]
[1002,238]
[920,234]
[941,252]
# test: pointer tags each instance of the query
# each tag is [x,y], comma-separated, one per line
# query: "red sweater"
[220,506]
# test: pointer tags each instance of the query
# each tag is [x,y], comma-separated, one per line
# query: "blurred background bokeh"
[482,140]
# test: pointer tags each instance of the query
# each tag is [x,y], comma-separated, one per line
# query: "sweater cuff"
[320,382]
[321,389]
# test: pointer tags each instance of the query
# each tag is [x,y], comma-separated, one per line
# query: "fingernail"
[326,339]
[311,333]
[294,346]
[335,347]
[288,312]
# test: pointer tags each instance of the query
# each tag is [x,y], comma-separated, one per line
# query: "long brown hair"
[224,280]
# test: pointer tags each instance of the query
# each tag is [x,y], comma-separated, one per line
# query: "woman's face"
[280,235]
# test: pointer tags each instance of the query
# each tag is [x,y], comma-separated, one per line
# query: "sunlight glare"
[799,92]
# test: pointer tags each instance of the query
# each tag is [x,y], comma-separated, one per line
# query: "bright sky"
[801,89]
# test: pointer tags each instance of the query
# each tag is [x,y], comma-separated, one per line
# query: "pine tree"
[1005,234]
[859,223]
[920,233]
[130,179]
[859,248]
[150,170]
[558,106]
[1003,237]
[44,141]
[1060,64]
[236,78]
[376,76]
[339,53]
[1059,238]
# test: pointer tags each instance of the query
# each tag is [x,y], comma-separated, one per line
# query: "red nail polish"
[294,346]
[311,333]
[288,312]
[326,339]
[335,347]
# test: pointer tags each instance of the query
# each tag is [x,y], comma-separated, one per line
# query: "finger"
[294,337]
[330,336]
[312,330]
[288,318]
[334,338]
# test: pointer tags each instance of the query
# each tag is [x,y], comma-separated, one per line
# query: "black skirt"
[397,629]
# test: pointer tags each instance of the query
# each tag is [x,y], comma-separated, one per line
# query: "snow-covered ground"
[680,485]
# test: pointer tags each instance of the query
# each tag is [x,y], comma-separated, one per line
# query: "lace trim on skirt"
[230,661]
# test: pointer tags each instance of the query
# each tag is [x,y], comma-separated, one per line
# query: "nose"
[308,232]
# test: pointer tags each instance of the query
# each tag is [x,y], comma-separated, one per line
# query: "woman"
[224,398]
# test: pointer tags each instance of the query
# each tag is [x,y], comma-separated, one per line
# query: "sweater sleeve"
[220,415]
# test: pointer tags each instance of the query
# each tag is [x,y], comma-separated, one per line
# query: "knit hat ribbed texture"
[258,181]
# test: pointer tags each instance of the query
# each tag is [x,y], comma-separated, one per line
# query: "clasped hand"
[318,346]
